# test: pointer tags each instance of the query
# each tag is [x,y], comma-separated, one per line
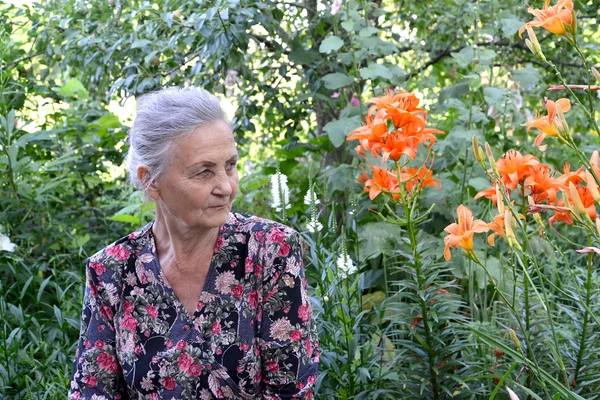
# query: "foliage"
[406,324]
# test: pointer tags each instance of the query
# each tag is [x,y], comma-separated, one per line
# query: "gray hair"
[162,118]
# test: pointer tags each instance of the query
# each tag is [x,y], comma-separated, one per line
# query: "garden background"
[396,320]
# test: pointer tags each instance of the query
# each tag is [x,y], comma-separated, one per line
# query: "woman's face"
[201,182]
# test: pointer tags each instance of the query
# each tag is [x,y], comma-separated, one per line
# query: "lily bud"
[562,126]
[596,74]
[578,203]
[592,186]
[477,150]
[515,339]
[509,234]
[491,158]
[534,45]
[499,200]
[598,225]
[573,26]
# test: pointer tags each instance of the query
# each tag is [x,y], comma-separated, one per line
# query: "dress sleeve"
[288,344]
[96,370]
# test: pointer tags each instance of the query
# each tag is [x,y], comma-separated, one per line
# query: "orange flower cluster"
[558,19]
[395,127]
[553,124]
[537,180]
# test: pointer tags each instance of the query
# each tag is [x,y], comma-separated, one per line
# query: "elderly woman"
[201,303]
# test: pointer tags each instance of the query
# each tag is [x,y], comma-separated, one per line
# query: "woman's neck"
[177,242]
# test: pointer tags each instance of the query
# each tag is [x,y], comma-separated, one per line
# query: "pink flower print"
[237,291]
[308,346]
[99,344]
[185,362]
[127,307]
[300,385]
[106,312]
[253,299]
[169,383]
[244,346]
[195,370]
[311,379]
[90,381]
[100,327]
[118,252]
[284,249]
[181,345]
[276,236]
[169,343]
[258,269]
[220,243]
[296,335]
[272,366]
[129,323]
[152,311]
[280,329]
[248,265]
[107,362]
[258,376]
[87,344]
[355,102]
[98,267]
[303,312]
[225,281]
[219,351]
[260,236]
[216,328]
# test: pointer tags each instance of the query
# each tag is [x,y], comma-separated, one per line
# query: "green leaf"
[302,56]
[337,80]
[480,183]
[368,31]
[73,88]
[348,25]
[377,238]
[486,56]
[493,95]
[126,218]
[464,57]
[374,71]
[338,130]
[139,43]
[510,26]
[527,77]
[109,121]
[332,43]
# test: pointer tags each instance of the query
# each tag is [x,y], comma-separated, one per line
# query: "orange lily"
[542,185]
[421,176]
[488,194]
[497,225]
[383,180]
[461,234]
[547,125]
[557,19]
[513,167]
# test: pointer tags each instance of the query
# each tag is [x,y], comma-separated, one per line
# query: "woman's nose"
[223,185]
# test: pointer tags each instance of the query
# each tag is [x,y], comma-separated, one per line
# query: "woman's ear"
[149,186]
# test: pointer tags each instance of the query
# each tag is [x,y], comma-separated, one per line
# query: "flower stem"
[588,295]
[433,372]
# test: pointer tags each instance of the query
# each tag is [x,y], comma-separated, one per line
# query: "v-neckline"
[209,275]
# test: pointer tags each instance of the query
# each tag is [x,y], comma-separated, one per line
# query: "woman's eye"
[232,165]
[206,172]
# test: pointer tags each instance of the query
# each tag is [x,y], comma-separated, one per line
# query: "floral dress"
[251,336]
